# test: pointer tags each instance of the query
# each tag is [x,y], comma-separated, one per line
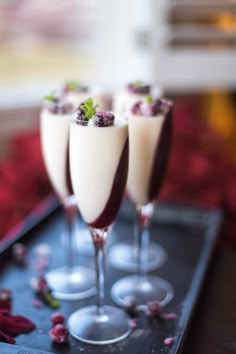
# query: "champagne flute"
[125,256]
[69,282]
[99,163]
[150,126]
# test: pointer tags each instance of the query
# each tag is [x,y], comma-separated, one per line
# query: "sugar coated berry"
[104,119]
[57,317]
[136,109]
[151,108]
[168,341]
[80,114]
[154,309]
[59,333]
[139,88]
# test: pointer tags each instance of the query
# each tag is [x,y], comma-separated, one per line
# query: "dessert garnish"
[57,317]
[59,333]
[75,86]
[104,119]
[55,103]
[138,87]
[168,341]
[151,107]
[154,309]
[41,288]
[86,110]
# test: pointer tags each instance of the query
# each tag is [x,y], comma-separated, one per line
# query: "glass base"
[124,257]
[89,327]
[146,289]
[72,283]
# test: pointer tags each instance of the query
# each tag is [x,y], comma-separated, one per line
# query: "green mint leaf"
[89,108]
[51,301]
[149,99]
[51,97]
[73,85]
[138,83]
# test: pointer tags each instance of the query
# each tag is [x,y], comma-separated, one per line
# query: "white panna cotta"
[54,129]
[96,158]
[144,136]
[124,100]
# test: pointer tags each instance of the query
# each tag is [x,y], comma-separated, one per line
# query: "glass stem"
[70,209]
[99,240]
[144,216]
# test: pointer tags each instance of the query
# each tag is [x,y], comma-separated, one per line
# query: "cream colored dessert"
[54,129]
[124,100]
[144,135]
[95,154]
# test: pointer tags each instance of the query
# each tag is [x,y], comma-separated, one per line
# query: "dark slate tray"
[189,237]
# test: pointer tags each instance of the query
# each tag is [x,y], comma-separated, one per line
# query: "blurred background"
[188,47]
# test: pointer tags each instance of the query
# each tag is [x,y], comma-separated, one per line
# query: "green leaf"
[138,83]
[51,97]
[73,85]
[51,301]
[149,99]
[89,108]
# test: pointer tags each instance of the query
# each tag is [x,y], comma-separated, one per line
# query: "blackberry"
[104,119]
[139,88]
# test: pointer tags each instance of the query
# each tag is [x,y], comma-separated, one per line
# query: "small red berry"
[153,309]
[168,341]
[57,317]
[169,316]
[36,303]
[59,333]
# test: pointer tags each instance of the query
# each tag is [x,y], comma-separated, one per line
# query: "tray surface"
[188,235]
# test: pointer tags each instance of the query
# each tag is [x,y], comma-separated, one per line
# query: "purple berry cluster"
[138,88]
[80,114]
[146,109]
[104,119]
[58,333]
[59,106]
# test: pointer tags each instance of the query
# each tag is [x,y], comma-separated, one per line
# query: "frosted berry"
[80,115]
[59,333]
[154,309]
[151,107]
[136,109]
[57,317]
[138,88]
[104,119]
